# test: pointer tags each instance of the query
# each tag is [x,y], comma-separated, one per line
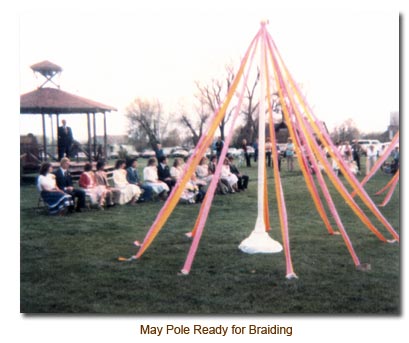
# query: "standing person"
[246,153]
[219,147]
[269,150]
[150,176]
[356,153]
[133,178]
[56,199]
[371,156]
[278,157]
[164,173]
[243,180]
[255,147]
[65,139]
[64,182]
[289,154]
[159,151]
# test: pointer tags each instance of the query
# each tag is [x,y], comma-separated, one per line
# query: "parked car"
[234,152]
[365,143]
[167,151]
[148,153]
[179,153]
[130,150]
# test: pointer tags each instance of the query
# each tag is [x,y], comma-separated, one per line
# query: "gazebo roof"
[52,101]
[46,66]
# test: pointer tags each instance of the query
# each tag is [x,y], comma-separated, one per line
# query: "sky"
[346,61]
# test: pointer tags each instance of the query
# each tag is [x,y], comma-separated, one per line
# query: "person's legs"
[245,181]
[268,157]
[80,194]
[147,192]
[240,182]
[248,163]
[61,150]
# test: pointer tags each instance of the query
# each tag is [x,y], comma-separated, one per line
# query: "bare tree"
[249,130]
[212,95]
[146,116]
[346,131]
[194,123]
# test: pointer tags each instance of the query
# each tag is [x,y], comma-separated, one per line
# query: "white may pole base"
[260,242]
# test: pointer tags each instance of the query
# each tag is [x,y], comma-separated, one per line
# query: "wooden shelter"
[53,101]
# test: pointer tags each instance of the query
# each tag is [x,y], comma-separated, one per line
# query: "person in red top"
[88,183]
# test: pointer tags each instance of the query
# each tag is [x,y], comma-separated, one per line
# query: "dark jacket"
[65,138]
[132,176]
[163,172]
[234,170]
[62,180]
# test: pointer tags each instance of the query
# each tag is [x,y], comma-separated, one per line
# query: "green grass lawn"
[69,264]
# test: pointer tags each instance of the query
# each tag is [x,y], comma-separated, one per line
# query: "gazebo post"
[89,138]
[105,137]
[44,138]
[58,125]
[52,150]
[95,134]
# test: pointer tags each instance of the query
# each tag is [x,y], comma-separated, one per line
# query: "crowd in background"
[158,178]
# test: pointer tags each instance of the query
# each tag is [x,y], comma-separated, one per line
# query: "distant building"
[393,124]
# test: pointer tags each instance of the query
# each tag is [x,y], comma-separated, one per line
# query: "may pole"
[259,241]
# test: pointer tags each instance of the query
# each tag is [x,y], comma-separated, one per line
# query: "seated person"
[101,179]
[395,160]
[191,190]
[133,178]
[150,176]
[223,186]
[129,194]
[164,172]
[64,182]
[202,171]
[243,180]
[92,189]
[227,175]
[57,201]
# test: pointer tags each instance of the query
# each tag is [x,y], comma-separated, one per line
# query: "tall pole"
[57,126]
[89,138]
[95,134]
[259,241]
[52,150]
[105,137]
[44,138]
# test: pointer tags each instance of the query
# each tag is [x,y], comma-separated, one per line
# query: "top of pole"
[264,22]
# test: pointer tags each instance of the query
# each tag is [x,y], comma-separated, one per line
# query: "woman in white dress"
[128,193]
[227,175]
[202,171]
[191,189]
[150,176]
[57,201]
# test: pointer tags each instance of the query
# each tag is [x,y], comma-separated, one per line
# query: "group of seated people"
[58,192]
[230,181]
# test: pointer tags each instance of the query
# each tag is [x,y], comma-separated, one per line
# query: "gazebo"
[53,101]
